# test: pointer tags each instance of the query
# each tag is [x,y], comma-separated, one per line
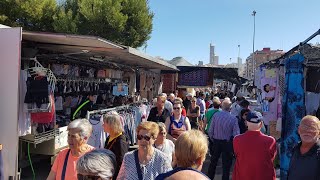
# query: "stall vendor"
[84,106]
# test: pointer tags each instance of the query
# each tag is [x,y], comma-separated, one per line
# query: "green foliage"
[36,15]
[128,22]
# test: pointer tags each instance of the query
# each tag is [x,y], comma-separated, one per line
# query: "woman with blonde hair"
[190,150]
[116,141]
[147,162]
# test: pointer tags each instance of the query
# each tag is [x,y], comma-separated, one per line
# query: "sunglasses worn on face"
[163,133]
[140,137]
[175,108]
[87,177]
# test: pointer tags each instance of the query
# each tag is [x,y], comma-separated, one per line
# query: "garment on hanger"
[24,122]
[45,117]
[312,103]
[37,91]
[59,103]
[98,136]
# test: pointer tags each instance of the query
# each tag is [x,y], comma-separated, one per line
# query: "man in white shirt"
[235,107]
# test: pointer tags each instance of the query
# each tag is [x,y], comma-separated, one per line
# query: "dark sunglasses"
[193,101]
[87,177]
[175,108]
[140,137]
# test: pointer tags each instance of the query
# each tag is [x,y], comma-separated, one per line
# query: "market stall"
[290,90]
[59,73]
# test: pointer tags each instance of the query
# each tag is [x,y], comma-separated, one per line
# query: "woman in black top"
[241,120]
[116,141]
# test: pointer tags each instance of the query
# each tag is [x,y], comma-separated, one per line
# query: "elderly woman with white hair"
[98,164]
[64,166]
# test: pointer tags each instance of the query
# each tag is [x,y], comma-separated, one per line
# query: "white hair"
[254,126]
[226,105]
[83,125]
[172,95]
[99,162]
[164,95]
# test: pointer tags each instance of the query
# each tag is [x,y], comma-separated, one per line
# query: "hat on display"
[254,117]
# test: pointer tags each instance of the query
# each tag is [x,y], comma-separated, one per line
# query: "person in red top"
[254,151]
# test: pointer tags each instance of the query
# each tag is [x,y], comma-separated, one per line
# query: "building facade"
[260,57]
[214,59]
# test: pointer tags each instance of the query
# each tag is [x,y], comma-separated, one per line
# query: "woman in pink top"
[64,166]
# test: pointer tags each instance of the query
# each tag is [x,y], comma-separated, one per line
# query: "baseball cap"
[254,117]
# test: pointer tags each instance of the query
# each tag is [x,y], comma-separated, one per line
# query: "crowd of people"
[175,139]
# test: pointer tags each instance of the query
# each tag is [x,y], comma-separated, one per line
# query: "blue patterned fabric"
[158,164]
[293,109]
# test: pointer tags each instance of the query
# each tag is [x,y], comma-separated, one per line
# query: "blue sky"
[187,27]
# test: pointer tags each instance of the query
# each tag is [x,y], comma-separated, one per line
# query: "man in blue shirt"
[223,128]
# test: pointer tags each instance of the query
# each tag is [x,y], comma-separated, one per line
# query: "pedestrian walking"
[146,162]
[64,166]
[194,114]
[116,141]
[177,123]
[191,149]
[223,128]
[97,164]
[254,152]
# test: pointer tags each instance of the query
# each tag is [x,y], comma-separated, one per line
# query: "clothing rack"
[38,67]
[87,80]
[89,113]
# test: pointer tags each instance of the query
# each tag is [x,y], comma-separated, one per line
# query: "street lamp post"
[239,63]
[254,32]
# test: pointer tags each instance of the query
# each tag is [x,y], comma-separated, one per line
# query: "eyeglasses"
[87,177]
[175,108]
[140,137]
[193,101]
[163,133]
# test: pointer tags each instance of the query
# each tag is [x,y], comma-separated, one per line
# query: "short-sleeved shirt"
[167,148]
[304,166]
[71,171]
[209,115]
[153,115]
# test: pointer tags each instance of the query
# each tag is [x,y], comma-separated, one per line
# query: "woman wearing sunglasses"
[147,162]
[98,164]
[177,123]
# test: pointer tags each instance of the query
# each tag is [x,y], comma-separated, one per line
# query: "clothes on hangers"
[24,121]
[37,91]
[98,136]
